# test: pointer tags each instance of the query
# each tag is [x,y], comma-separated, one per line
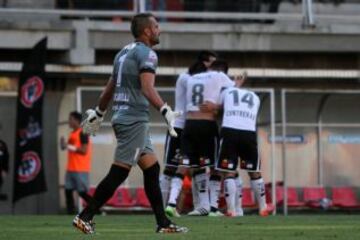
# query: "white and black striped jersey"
[240,108]
[205,87]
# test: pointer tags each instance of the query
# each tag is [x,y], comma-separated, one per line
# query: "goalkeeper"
[132,88]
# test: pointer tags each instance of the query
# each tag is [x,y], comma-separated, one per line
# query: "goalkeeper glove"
[93,121]
[170,116]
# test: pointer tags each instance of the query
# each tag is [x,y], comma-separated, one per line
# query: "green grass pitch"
[132,227]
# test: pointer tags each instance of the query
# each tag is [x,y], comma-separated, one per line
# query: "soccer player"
[78,166]
[172,154]
[200,135]
[132,88]
[239,140]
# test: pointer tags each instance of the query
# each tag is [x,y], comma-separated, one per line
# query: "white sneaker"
[172,212]
[199,212]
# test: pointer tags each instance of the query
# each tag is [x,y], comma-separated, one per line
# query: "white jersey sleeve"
[219,82]
[180,99]
[240,109]
[226,81]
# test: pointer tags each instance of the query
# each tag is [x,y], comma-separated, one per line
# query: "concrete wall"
[79,40]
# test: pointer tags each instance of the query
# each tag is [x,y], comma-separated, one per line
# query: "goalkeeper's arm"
[147,87]
[106,95]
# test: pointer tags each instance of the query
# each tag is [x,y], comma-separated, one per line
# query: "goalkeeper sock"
[176,186]
[104,191]
[153,192]
[214,188]
[258,187]
[230,194]
[85,196]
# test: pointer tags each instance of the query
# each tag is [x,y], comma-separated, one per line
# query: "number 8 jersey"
[240,109]
[205,87]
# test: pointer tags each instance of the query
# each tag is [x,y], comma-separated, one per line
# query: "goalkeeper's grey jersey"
[130,105]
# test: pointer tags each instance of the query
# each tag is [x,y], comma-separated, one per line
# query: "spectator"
[4,165]
[78,147]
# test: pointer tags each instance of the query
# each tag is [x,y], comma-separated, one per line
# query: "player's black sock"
[153,192]
[85,196]
[70,206]
[104,191]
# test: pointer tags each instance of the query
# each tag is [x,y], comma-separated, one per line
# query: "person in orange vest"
[78,166]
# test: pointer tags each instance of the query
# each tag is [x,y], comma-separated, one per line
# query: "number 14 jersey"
[205,87]
[240,108]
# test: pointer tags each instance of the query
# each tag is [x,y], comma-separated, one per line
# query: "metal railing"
[306,16]
[160,14]
[278,73]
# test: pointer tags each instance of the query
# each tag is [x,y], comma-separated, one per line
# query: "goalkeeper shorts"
[133,141]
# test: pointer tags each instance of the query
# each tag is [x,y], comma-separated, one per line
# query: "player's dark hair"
[139,22]
[205,55]
[220,65]
[76,115]
[197,67]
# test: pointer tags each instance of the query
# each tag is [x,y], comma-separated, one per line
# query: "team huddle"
[201,94]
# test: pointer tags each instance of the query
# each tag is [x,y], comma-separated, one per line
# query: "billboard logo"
[30,166]
[31,91]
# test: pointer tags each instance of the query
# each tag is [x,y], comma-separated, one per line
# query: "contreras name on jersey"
[241,114]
